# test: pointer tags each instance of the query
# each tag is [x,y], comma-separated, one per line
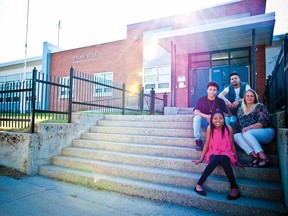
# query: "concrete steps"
[214,202]
[128,154]
[256,189]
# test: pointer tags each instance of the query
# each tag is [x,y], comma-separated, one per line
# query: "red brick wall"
[261,71]
[99,58]
[182,94]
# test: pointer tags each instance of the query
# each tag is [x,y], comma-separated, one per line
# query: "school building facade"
[179,54]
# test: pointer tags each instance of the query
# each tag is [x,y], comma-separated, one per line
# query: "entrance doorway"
[217,67]
[199,80]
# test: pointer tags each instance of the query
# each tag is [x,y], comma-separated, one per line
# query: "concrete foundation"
[282,144]
[26,151]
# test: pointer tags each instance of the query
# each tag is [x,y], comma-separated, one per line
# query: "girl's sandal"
[263,162]
[254,162]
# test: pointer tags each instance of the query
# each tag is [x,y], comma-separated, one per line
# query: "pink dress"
[220,146]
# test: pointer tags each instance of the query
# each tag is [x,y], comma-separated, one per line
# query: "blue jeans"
[202,123]
[251,139]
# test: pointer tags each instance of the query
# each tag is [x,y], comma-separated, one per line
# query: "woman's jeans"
[252,139]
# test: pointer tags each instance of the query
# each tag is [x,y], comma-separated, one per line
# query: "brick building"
[180,54]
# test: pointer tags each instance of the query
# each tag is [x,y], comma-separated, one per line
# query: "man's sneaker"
[199,145]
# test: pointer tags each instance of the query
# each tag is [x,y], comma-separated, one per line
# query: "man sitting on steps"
[233,95]
[205,106]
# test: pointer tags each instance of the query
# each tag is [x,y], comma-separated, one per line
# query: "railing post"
[123,99]
[285,55]
[267,93]
[70,95]
[34,76]
[141,98]
[152,102]
[164,101]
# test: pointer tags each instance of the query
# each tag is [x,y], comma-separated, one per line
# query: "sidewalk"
[43,196]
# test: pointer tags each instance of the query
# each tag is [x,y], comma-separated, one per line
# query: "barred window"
[105,78]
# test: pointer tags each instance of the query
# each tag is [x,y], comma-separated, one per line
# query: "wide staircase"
[150,157]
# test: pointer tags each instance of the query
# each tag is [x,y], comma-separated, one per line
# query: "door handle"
[192,90]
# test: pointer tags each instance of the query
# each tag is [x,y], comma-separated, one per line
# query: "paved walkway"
[43,196]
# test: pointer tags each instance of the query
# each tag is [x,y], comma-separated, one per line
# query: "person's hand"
[235,104]
[229,104]
[208,118]
[245,129]
[197,161]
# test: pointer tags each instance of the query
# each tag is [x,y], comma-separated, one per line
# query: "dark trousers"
[216,160]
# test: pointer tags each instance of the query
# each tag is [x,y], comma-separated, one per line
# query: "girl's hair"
[244,104]
[224,126]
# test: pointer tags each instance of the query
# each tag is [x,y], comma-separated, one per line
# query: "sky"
[90,22]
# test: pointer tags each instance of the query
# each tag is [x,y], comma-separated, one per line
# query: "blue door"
[199,80]
[243,72]
[221,75]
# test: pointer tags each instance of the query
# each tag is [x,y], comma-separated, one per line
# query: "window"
[158,78]
[105,78]
[64,92]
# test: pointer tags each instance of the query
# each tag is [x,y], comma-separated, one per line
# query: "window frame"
[156,81]
[102,88]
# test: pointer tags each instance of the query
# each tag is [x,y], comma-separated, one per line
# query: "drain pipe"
[254,50]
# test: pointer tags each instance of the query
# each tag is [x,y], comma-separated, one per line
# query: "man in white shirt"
[233,95]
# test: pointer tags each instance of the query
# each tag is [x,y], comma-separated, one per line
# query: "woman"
[219,149]
[253,128]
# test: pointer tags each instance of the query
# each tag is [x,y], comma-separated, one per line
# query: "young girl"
[219,149]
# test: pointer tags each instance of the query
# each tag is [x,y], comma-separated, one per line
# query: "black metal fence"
[55,98]
[276,91]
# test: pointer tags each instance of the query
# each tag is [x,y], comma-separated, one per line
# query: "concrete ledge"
[178,111]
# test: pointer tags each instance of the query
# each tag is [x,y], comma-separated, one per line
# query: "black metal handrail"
[276,90]
[44,96]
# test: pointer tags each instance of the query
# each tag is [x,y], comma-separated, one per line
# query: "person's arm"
[247,87]
[222,106]
[223,94]
[231,137]
[206,116]
[206,146]
[252,126]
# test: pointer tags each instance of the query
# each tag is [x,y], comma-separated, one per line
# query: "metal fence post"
[141,98]
[34,76]
[152,102]
[123,99]
[70,95]
[164,101]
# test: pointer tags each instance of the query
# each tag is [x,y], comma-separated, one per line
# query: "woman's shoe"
[231,197]
[202,193]
[254,162]
[263,162]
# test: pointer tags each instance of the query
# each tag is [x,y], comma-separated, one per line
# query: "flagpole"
[26,39]
[59,27]
[23,94]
